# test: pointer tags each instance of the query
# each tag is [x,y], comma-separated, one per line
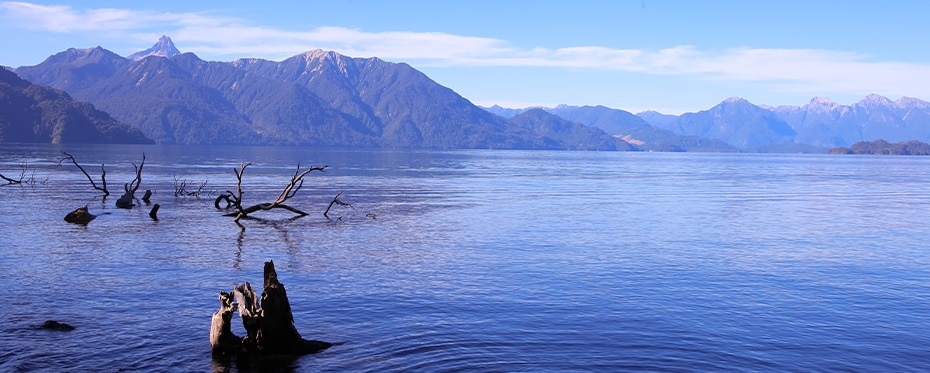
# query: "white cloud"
[214,37]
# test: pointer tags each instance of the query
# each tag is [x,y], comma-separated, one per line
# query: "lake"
[476,260]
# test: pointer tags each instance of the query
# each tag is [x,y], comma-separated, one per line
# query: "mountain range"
[322,98]
[738,125]
[316,98]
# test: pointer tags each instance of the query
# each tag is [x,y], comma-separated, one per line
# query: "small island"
[882,147]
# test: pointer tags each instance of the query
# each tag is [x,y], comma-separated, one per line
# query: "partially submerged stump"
[222,339]
[268,323]
[80,216]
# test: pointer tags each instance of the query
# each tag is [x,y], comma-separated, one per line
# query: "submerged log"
[269,322]
[80,216]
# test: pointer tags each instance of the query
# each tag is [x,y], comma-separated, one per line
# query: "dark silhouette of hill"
[33,113]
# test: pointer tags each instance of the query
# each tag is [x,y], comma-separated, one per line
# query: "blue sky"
[669,56]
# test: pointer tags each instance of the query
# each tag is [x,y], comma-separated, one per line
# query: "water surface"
[478,260]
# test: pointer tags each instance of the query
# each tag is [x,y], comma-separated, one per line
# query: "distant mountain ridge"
[825,123]
[317,98]
[737,124]
[623,125]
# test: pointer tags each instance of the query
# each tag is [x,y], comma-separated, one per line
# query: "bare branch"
[125,201]
[103,173]
[336,201]
[11,181]
[288,192]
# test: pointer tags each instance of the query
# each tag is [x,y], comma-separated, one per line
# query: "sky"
[635,55]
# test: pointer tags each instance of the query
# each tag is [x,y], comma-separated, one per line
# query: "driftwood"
[80,216]
[268,322]
[234,199]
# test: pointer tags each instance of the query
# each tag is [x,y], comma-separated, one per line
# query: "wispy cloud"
[220,37]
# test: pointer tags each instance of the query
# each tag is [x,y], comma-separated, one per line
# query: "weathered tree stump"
[269,324]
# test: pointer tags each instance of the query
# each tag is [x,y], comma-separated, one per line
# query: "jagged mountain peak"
[911,102]
[163,48]
[875,99]
[317,54]
[821,104]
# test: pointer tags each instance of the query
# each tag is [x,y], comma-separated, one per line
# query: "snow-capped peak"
[163,48]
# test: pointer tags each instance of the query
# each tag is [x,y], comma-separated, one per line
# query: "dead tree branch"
[23,169]
[289,191]
[11,181]
[103,173]
[336,201]
[180,188]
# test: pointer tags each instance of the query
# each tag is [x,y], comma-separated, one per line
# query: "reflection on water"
[479,261]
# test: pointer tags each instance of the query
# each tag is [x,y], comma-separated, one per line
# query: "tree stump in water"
[269,324]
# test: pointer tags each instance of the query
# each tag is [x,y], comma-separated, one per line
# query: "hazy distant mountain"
[817,126]
[314,98]
[634,131]
[551,127]
[33,113]
[506,112]
[737,122]
[658,119]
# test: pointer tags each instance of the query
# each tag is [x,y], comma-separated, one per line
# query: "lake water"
[478,260]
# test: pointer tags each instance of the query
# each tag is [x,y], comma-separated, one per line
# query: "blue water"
[478,260]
